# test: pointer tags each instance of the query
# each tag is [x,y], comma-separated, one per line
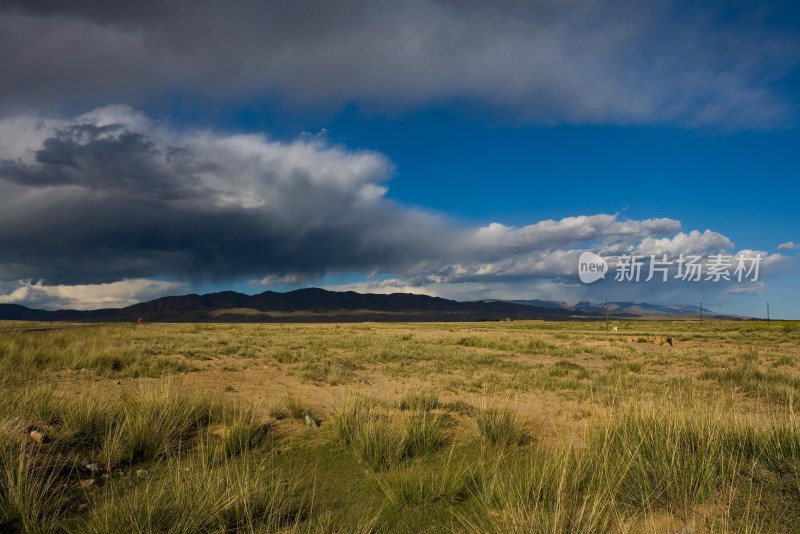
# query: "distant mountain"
[550,304]
[21,313]
[302,305]
[320,305]
[626,309]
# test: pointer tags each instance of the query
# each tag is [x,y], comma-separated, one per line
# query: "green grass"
[543,491]
[422,485]
[289,407]
[330,371]
[380,438]
[630,436]
[114,430]
[769,384]
[112,351]
[189,496]
[667,461]
[502,427]
[32,497]
[419,401]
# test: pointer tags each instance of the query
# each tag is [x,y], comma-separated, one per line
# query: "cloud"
[110,195]
[383,287]
[85,296]
[113,197]
[546,61]
[273,280]
[754,288]
[694,242]
[789,246]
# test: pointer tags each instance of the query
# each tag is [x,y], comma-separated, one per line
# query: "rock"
[87,484]
[310,422]
[141,473]
[93,467]
[83,507]
[39,437]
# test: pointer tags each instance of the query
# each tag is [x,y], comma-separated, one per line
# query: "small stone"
[83,507]
[141,473]
[39,437]
[87,484]
[93,467]
[310,421]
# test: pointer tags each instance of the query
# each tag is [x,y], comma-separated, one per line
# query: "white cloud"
[789,245]
[112,196]
[86,296]
[274,280]
[583,228]
[383,287]
[754,288]
[694,242]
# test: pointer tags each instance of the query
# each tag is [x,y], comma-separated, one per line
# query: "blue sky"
[455,149]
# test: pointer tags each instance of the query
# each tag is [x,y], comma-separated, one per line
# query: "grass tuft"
[289,407]
[419,401]
[502,427]
[380,438]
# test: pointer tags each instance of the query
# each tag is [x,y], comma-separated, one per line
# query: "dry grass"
[191,428]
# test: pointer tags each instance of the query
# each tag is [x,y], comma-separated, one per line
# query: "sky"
[470,150]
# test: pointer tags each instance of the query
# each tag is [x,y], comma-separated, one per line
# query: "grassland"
[465,427]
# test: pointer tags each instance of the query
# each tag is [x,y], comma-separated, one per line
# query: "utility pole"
[767,312]
[607,315]
[701,311]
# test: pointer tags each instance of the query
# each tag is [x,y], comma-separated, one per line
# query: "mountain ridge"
[321,305]
[302,305]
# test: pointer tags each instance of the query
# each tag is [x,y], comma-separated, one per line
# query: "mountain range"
[622,308]
[320,305]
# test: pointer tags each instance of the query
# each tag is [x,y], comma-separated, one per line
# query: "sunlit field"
[435,427]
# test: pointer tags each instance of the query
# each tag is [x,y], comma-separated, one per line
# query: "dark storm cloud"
[100,209]
[547,61]
[100,200]
[111,195]
[105,158]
